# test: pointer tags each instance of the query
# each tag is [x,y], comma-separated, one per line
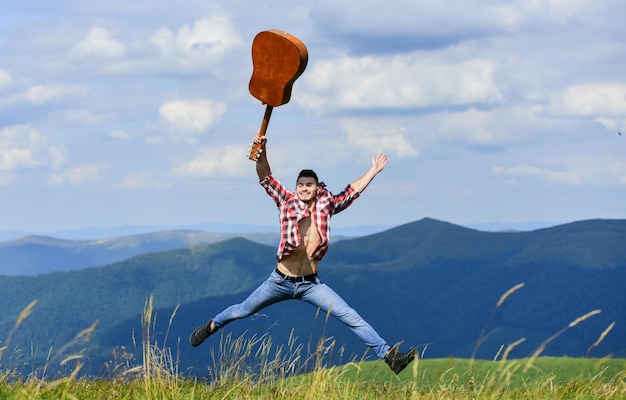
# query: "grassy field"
[547,378]
[254,368]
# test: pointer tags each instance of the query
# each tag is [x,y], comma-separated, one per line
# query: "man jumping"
[305,234]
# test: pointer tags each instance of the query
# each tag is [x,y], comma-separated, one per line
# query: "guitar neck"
[255,148]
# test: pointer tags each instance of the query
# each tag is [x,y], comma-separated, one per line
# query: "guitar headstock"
[255,151]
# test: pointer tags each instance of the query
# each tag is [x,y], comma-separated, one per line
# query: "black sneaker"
[201,334]
[398,361]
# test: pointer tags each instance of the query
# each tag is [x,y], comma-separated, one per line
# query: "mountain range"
[450,291]
[37,254]
[34,254]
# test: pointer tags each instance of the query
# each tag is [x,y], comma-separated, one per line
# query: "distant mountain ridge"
[40,254]
[592,243]
[33,255]
[428,283]
[37,254]
[88,234]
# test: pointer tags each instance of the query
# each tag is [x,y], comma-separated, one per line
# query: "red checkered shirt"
[291,210]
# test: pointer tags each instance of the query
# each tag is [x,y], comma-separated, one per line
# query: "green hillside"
[71,301]
[449,278]
[431,284]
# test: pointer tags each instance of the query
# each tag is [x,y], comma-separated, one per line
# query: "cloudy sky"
[138,112]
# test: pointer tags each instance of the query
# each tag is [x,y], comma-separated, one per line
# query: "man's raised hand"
[379,162]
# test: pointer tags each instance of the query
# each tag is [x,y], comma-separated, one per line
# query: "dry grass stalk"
[511,347]
[481,337]
[20,319]
[601,338]
[543,345]
[508,293]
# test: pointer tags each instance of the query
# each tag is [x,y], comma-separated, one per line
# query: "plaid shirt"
[291,210]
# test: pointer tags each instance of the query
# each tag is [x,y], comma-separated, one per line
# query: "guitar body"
[278,59]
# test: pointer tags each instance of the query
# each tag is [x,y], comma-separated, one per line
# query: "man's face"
[306,189]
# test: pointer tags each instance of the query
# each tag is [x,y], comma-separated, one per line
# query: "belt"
[295,279]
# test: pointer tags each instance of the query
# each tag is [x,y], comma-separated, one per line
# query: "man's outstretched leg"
[322,296]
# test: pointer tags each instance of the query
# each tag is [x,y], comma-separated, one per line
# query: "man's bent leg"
[322,296]
[269,292]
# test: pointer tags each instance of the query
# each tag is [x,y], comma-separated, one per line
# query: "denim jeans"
[276,288]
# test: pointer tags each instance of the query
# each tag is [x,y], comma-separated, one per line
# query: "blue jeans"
[276,288]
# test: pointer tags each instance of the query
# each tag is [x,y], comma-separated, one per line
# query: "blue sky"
[138,113]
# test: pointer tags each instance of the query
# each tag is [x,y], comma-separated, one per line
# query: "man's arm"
[262,165]
[379,161]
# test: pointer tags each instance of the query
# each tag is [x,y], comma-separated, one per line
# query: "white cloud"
[543,174]
[402,82]
[22,146]
[613,124]
[417,17]
[5,79]
[465,85]
[16,153]
[142,180]
[42,94]
[153,139]
[198,47]
[79,175]
[85,116]
[98,44]
[618,170]
[437,19]
[119,135]
[207,41]
[592,169]
[494,127]
[378,137]
[190,118]
[565,10]
[226,161]
[57,156]
[591,100]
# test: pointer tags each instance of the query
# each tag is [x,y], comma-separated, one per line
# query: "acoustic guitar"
[278,59]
